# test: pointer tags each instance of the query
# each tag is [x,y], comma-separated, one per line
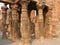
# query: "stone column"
[25,23]
[9,19]
[39,22]
[14,23]
[4,17]
[48,26]
[32,19]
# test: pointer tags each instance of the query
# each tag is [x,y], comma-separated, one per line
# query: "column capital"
[24,2]
[24,5]
[14,6]
[39,5]
[50,8]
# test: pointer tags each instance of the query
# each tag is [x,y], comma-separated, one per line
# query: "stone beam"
[6,1]
[9,1]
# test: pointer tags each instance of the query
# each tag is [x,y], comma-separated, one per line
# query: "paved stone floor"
[54,41]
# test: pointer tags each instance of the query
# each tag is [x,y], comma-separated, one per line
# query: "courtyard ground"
[54,41]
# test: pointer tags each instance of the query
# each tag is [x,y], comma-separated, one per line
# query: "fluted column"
[39,22]
[4,17]
[25,23]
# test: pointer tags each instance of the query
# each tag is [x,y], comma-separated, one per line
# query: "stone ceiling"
[12,1]
[48,2]
[6,1]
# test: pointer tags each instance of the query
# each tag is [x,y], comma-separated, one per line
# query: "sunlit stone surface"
[18,28]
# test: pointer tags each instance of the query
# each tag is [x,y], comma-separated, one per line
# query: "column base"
[24,42]
[49,36]
[12,38]
[4,36]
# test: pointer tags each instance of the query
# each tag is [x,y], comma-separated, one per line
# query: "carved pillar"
[4,17]
[9,23]
[51,22]
[48,26]
[14,23]
[39,22]
[25,23]
[32,19]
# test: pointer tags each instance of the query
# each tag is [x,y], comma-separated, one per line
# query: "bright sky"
[1,4]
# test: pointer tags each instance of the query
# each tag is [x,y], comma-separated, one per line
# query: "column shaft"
[39,24]
[4,17]
[32,19]
[14,22]
[25,24]
[48,26]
